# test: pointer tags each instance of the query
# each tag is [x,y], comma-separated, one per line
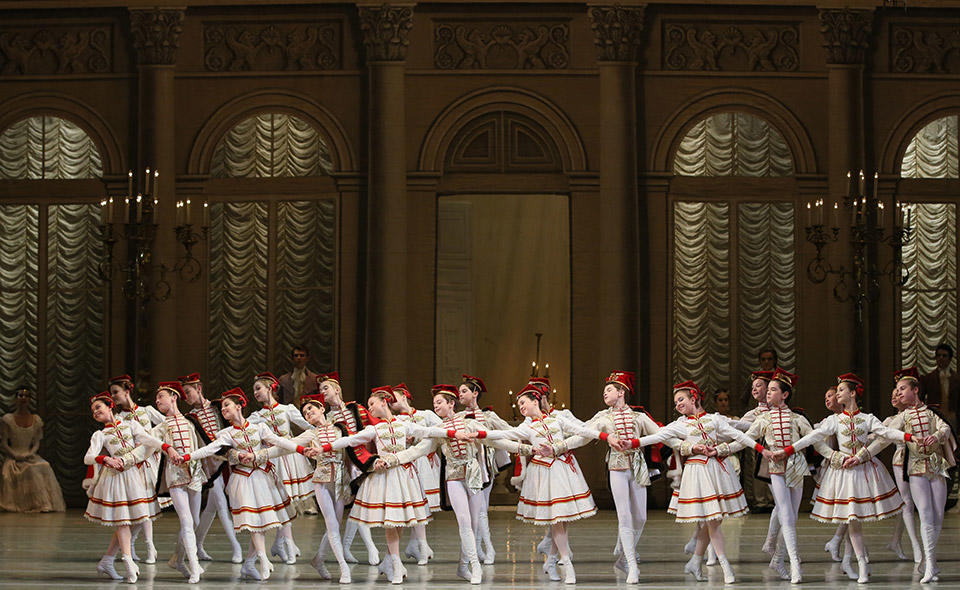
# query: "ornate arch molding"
[275,101]
[734,99]
[67,107]
[523,102]
[935,107]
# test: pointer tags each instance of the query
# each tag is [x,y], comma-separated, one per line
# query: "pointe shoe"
[864,567]
[633,574]
[279,549]
[195,572]
[476,572]
[550,568]
[463,571]
[345,574]
[833,548]
[373,556]
[897,549]
[202,555]
[151,554]
[796,574]
[693,568]
[249,569]
[569,576]
[321,568]
[728,575]
[777,565]
[106,566]
[348,555]
[425,553]
[398,573]
[132,570]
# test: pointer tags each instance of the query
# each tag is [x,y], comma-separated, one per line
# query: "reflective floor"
[61,551]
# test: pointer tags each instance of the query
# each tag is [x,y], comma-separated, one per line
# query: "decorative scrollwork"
[156,35]
[733,47]
[846,34]
[56,50]
[618,32]
[507,46]
[278,46]
[923,49]
[386,31]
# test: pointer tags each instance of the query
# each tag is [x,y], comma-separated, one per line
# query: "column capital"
[385,30]
[618,31]
[846,34]
[156,35]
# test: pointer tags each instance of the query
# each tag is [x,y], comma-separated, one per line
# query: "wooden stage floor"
[61,551]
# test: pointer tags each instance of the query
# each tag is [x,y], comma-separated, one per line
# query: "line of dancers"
[394,466]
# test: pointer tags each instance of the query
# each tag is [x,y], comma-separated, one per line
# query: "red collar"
[700,415]
[115,424]
[133,406]
[275,404]
[244,427]
[846,413]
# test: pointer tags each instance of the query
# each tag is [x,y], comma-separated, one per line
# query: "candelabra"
[138,228]
[866,233]
[535,372]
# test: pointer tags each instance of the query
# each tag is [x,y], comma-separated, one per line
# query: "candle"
[836,214]
[110,209]
[849,185]
[206,214]
[861,185]
[808,214]
[129,183]
[139,208]
[156,182]
[820,211]
[876,183]
[179,207]
[146,182]
[103,211]
[188,211]
[880,212]
[126,210]
[156,208]
[546,372]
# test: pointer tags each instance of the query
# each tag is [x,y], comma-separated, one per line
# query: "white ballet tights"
[332,512]
[908,509]
[467,507]
[930,497]
[186,502]
[710,533]
[217,506]
[787,505]
[630,499]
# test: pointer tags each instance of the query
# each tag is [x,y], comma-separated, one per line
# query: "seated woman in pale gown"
[27,483]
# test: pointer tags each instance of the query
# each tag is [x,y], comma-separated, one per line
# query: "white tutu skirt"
[391,498]
[674,502]
[120,498]
[863,492]
[296,474]
[258,501]
[554,491]
[428,468]
[709,490]
[30,486]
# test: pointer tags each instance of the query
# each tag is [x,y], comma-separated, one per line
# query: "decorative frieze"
[55,50]
[731,47]
[618,32]
[846,34]
[233,47]
[156,35]
[925,49]
[501,46]
[385,30]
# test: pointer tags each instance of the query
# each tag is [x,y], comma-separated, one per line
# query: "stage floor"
[61,551]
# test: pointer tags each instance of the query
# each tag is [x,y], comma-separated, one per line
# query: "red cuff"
[907,437]
[300,449]
[100,459]
[789,450]
[327,447]
[481,434]
[758,447]
[185,457]
[164,446]
[604,436]
[634,443]
[451,433]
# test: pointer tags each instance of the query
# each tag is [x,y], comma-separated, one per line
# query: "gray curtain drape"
[733,144]
[932,153]
[47,148]
[271,145]
[18,300]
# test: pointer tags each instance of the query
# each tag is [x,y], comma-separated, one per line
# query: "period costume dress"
[294,469]
[427,466]
[28,483]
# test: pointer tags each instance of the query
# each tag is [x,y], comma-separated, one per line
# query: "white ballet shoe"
[476,572]
[133,550]
[769,546]
[621,564]
[181,566]
[691,545]
[398,572]
[195,571]
[345,576]
[292,550]
[373,556]
[728,576]
[481,553]
[249,569]
[633,574]
[107,567]
[796,574]
[489,554]
[543,546]
[569,576]
[132,570]
[897,549]
[833,548]
[348,555]
[412,550]
[151,554]
[711,556]
[237,556]
[692,567]
[266,568]
[321,568]
[550,568]
[463,570]
[426,553]
[864,567]
[777,565]
[279,549]
[202,555]
[847,566]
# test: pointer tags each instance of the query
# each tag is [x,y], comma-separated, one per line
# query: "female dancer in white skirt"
[293,469]
[927,458]
[861,490]
[391,496]
[258,500]
[494,460]
[122,493]
[127,410]
[554,492]
[709,488]
[629,475]
[427,466]
[27,482]
[331,482]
